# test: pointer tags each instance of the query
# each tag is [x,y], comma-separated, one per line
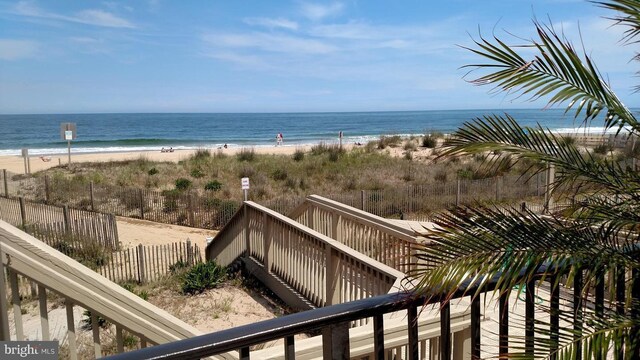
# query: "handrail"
[364,217]
[37,261]
[286,326]
[381,239]
[320,269]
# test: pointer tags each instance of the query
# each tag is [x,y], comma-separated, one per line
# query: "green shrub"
[319,149]
[298,155]
[465,174]
[213,185]
[152,171]
[391,141]
[197,173]
[183,184]
[246,171]
[602,149]
[178,267]
[410,145]
[279,174]
[203,276]
[246,155]
[429,141]
[201,154]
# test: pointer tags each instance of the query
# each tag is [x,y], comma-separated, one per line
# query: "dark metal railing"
[334,320]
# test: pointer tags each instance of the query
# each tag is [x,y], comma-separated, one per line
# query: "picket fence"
[144,264]
[61,226]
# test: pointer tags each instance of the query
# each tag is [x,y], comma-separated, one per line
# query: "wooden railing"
[319,268]
[371,235]
[25,256]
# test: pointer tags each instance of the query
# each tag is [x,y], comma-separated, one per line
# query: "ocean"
[144,132]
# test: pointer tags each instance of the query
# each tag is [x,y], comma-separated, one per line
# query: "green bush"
[197,173]
[246,155]
[602,149]
[279,174]
[152,171]
[183,184]
[203,276]
[213,185]
[298,155]
[429,141]
[391,141]
[201,154]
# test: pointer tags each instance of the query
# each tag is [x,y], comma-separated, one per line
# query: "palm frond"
[629,11]
[557,72]
[502,134]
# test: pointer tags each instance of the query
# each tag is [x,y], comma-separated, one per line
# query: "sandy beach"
[15,164]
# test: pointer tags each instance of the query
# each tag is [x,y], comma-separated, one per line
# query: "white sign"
[68,135]
[245,183]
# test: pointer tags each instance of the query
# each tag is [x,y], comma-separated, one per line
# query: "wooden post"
[190,214]
[267,240]
[47,195]
[67,222]
[141,199]
[548,200]
[189,253]
[362,200]
[335,220]
[335,338]
[23,213]
[458,192]
[141,277]
[93,207]
[4,320]
[44,315]
[247,231]
[6,185]
[15,299]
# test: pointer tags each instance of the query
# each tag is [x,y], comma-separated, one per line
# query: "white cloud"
[270,43]
[272,23]
[317,12]
[93,17]
[11,49]
[102,18]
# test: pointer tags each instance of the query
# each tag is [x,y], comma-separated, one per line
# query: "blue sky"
[273,56]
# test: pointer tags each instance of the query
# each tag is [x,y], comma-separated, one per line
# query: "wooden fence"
[207,211]
[61,226]
[144,264]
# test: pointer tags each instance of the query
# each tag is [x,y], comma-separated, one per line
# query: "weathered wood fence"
[144,264]
[207,211]
[55,225]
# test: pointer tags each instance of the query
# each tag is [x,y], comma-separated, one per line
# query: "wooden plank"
[44,315]
[71,330]
[17,311]
[95,329]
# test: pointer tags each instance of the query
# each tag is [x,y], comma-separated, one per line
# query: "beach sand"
[15,164]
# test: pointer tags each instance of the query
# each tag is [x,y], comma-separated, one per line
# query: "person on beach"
[278,139]
[163,150]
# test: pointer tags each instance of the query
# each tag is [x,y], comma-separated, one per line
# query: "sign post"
[68,132]
[245,187]
[27,161]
